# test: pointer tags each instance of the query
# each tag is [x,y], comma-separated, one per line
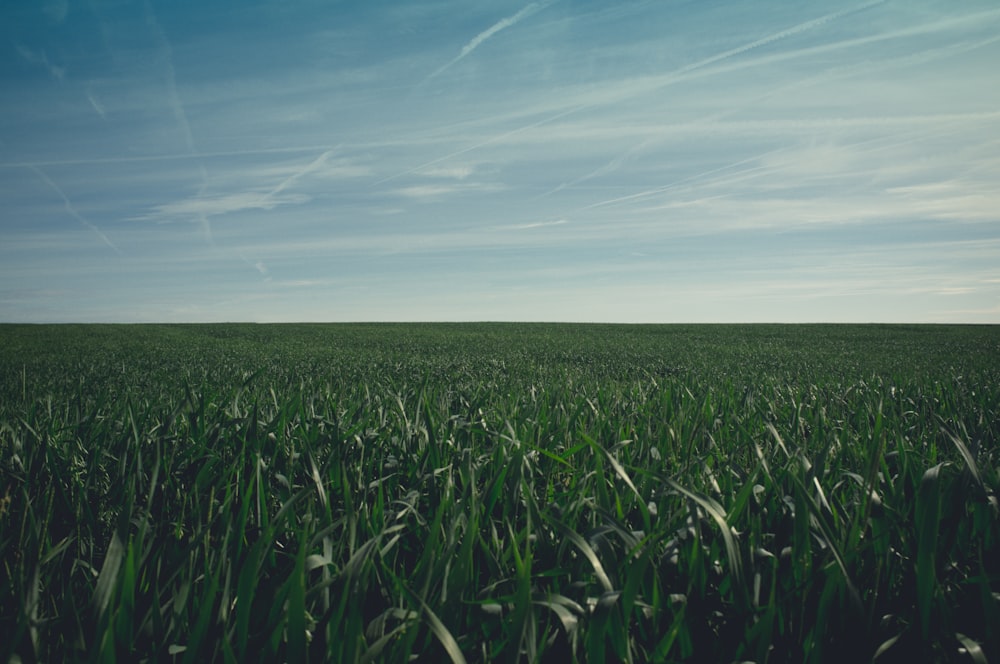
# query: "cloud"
[202,206]
[783,34]
[303,283]
[436,191]
[476,41]
[606,169]
[42,59]
[174,100]
[495,139]
[260,266]
[536,224]
[953,199]
[97,105]
[676,183]
[575,99]
[456,172]
[262,196]
[619,92]
[340,168]
[73,212]
[794,126]
[689,143]
[314,165]
[943,290]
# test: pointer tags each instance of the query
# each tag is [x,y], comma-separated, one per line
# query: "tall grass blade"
[437,627]
[588,552]
[970,461]
[714,510]
[972,649]
[108,576]
[928,524]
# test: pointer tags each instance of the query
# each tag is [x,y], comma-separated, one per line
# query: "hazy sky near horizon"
[560,160]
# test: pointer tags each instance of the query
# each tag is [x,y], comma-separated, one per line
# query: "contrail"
[609,167]
[41,59]
[488,141]
[669,79]
[178,108]
[98,106]
[73,211]
[163,157]
[290,180]
[676,183]
[489,32]
[173,98]
[875,145]
[789,32]
[536,224]
[850,43]
[683,73]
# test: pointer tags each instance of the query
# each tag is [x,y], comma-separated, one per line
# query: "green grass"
[499,492]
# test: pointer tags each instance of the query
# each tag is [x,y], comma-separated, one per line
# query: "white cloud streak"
[482,144]
[476,41]
[73,212]
[42,59]
[622,92]
[203,207]
[678,153]
[97,105]
[427,192]
[536,224]
[306,170]
[607,168]
[180,115]
[153,158]
[783,34]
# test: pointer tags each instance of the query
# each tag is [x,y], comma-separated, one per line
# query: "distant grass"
[499,492]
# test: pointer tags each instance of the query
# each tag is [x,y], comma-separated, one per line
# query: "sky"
[636,161]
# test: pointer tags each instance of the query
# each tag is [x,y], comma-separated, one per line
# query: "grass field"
[499,492]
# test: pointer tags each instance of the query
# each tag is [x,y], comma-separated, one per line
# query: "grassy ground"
[499,492]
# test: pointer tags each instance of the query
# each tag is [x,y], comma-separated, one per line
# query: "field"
[499,492]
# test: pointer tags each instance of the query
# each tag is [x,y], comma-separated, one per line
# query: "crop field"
[499,493]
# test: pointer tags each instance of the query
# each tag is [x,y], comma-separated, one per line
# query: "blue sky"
[563,160]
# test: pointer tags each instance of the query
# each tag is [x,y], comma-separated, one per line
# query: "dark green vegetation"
[499,493]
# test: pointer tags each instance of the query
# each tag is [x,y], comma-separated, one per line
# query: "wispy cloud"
[607,168]
[425,192]
[203,207]
[455,172]
[312,166]
[489,141]
[97,105]
[535,224]
[782,34]
[352,169]
[549,110]
[617,93]
[476,41]
[174,99]
[264,196]
[680,182]
[42,59]
[73,212]
[259,266]
[640,160]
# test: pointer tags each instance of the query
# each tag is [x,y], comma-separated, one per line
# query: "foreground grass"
[499,493]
